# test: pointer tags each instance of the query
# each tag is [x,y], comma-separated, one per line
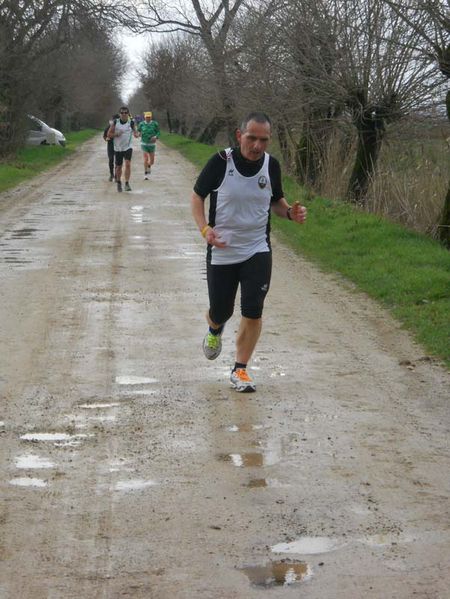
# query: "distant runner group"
[119,135]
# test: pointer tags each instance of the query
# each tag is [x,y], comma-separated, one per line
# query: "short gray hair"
[258,117]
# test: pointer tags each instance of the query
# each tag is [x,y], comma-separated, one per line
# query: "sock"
[216,331]
[238,365]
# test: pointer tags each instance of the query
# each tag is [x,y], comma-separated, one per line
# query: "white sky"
[134,47]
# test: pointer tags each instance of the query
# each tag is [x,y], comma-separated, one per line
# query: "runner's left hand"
[298,212]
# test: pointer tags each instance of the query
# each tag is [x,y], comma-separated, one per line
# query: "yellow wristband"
[205,228]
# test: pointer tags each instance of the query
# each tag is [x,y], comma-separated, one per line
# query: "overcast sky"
[134,46]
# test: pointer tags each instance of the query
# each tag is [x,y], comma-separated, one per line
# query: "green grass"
[406,272]
[32,160]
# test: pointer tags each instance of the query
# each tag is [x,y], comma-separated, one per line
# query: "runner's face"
[254,140]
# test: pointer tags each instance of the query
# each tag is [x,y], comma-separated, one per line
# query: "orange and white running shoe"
[241,381]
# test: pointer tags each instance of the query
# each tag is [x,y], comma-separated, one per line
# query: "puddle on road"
[244,428]
[31,461]
[98,406]
[134,485]
[135,380]
[55,437]
[257,483]
[251,459]
[309,545]
[28,482]
[245,460]
[277,573]
[82,420]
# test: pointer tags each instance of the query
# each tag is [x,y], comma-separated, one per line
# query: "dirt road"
[129,468]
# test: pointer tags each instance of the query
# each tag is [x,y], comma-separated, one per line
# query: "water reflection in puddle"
[28,482]
[277,573]
[51,437]
[32,461]
[251,459]
[309,545]
[135,380]
[99,406]
[244,428]
[246,460]
[134,485]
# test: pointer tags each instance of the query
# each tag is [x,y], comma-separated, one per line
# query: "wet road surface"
[129,468]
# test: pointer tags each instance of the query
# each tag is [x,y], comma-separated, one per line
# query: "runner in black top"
[244,185]
[110,147]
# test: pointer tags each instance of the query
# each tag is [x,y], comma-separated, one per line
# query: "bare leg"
[247,338]
[118,173]
[127,170]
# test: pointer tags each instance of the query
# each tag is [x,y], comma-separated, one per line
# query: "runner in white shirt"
[122,131]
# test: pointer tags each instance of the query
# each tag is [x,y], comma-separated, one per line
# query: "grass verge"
[32,160]
[406,272]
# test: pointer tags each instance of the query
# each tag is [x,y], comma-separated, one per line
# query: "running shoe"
[212,345]
[111,177]
[145,177]
[119,186]
[127,186]
[241,381]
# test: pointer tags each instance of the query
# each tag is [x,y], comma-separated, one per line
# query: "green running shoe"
[212,345]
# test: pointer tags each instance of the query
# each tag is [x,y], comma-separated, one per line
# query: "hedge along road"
[128,465]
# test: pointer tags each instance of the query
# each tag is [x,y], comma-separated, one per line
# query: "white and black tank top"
[242,213]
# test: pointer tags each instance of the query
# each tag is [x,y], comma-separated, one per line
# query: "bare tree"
[430,21]
[211,22]
[33,36]
[172,81]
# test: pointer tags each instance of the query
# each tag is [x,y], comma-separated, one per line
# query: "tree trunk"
[444,225]
[169,121]
[306,159]
[195,131]
[370,137]
[211,131]
[284,145]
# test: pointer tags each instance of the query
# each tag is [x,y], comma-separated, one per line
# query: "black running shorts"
[121,155]
[253,275]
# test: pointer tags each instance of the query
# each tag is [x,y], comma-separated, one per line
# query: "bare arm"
[296,212]
[198,212]
[111,131]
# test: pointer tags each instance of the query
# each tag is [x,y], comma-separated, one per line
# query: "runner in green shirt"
[149,133]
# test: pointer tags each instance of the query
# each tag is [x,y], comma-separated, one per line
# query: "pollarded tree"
[430,22]
[383,76]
